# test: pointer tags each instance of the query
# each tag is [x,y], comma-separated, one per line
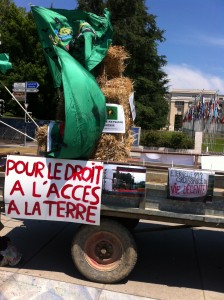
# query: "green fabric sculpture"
[74,43]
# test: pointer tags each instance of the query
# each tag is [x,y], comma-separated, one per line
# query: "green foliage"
[136,30]
[168,139]
[20,39]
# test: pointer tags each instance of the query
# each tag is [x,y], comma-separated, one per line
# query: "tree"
[19,39]
[136,30]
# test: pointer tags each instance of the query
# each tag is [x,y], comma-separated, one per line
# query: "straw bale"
[102,77]
[113,64]
[41,135]
[118,89]
[128,139]
[110,148]
[117,52]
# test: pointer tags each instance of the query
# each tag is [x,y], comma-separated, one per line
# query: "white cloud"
[210,40]
[186,77]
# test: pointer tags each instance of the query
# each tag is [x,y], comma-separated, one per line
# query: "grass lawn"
[217,145]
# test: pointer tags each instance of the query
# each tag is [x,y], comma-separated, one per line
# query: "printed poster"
[115,119]
[124,180]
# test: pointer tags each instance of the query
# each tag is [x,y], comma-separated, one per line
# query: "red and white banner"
[188,183]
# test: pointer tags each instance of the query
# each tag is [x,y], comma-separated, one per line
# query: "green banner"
[85,36]
[5,65]
[85,109]
[74,42]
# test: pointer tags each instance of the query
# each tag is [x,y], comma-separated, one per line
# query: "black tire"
[105,253]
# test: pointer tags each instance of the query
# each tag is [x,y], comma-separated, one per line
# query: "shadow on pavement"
[184,258]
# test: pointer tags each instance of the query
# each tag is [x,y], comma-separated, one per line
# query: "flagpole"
[194,116]
[20,105]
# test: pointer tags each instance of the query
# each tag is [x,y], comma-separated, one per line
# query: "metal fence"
[12,136]
[213,134]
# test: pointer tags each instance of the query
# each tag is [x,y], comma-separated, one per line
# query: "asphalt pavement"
[173,264]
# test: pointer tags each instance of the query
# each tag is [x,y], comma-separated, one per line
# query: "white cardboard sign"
[188,183]
[53,189]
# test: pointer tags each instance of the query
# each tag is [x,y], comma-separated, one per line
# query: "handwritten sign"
[185,183]
[53,189]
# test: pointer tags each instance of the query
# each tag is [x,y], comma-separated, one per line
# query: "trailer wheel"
[105,253]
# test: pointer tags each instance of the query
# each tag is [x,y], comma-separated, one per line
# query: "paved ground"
[174,264]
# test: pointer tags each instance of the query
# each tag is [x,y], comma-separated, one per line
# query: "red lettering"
[9,166]
[12,207]
[49,203]
[72,172]
[83,174]
[86,193]
[49,172]
[77,173]
[60,208]
[99,170]
[74,191]
[36,208]
[68,172]
[23,167]
[97,198]
[53,189]
[87,173]
[39,167]
[63,190]
[70,208]
[26,209]
[90,214]
[175,189]
[34,194]
[80,210]
[56,170]
[17,187]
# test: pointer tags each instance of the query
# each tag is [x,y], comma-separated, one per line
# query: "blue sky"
[194,46]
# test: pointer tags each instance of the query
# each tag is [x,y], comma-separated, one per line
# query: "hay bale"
[118,90]
[110,148]
[113,64]
[41,137]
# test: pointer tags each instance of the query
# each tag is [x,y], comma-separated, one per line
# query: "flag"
[4,63]
[85,36]
[85,109]
[74,43]
[132,106]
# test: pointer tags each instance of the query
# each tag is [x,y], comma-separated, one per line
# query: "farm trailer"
[107,253]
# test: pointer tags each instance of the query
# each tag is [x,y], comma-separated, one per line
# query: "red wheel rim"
[103,251]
